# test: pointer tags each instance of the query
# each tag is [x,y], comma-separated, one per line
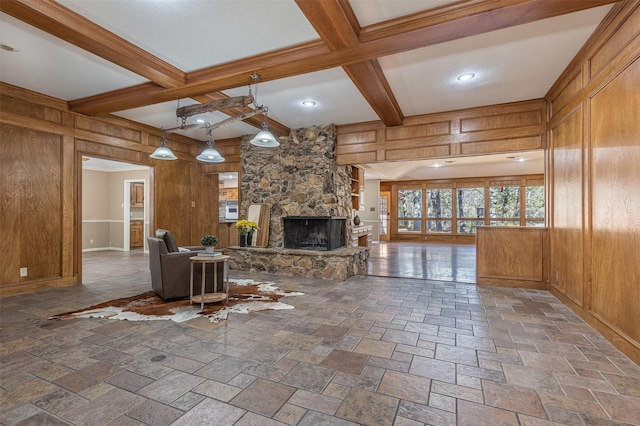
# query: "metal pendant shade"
[163,152]
[210,154]
[264,139]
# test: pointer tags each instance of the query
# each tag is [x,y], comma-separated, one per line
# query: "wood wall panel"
[24,108]
[515,127]
[595,201]
[172,203]
[570,91]
[99,150]
[511,256]
[615,202]
[104,128]
[414,153]
[504,145]
[31,205]
[420,131]
[567,160]
[502,121]
[624,35]
[206,210]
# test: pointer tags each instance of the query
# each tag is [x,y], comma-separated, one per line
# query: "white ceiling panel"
[338,101]
[510,65]
[48,65]
[191,35]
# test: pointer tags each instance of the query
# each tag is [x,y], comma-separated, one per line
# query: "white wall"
[370,214]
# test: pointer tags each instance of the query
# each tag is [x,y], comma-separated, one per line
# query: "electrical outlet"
[23,272]
[91,241]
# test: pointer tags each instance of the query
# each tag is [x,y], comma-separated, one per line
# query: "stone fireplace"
[300,178]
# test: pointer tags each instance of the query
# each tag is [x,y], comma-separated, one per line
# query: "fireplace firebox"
[314,232]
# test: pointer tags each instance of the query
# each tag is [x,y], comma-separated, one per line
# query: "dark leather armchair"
[171,268]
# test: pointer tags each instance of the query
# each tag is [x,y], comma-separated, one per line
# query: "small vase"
[243,240]
[249,238]
[356,220]
[209,249]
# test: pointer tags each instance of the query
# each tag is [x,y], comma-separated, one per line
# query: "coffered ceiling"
[358,60]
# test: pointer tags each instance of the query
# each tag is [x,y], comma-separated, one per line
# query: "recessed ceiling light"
[8,48]
[199,120]
[437,165]
[309,103]
[466,76]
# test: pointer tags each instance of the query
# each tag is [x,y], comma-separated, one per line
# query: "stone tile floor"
[369,351]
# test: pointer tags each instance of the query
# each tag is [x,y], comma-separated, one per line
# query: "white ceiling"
[512,64]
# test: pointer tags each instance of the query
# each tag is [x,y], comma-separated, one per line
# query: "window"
[439,208]
[470,204]
[409,210]
[534,196]
[504,204]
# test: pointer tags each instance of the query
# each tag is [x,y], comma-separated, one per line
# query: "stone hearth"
[299,178]
[338,264]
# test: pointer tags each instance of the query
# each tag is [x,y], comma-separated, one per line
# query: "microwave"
[231,211]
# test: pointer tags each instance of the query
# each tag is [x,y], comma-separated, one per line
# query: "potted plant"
[209,242]
[246,229]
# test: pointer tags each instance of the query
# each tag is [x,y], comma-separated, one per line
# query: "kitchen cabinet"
[137,194]
[136,234]
[228,194]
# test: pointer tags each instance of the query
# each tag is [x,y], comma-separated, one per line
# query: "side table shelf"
[215,296]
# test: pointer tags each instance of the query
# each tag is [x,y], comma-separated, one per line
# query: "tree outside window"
[505,204]
[470,204]
[439,210]
[409,210]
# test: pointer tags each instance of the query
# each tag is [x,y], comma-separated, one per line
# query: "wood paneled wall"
[512,256]
[514,127]
[40,181]
[594,138]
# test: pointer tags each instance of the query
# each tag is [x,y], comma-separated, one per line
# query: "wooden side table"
[216,296]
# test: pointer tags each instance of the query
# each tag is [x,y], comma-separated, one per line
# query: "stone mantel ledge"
[339,264]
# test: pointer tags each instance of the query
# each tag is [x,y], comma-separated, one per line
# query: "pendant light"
[264,138]
[163,152]
[210,154]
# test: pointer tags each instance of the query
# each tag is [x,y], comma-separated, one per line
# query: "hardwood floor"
[423,261]
[388,259]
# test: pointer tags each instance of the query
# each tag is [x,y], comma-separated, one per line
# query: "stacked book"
[204,253]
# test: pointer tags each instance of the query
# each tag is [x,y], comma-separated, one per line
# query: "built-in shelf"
[357,188]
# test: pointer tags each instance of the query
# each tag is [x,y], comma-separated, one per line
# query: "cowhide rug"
[245,296]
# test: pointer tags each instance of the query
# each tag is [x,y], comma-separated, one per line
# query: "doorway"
[383,208]
[107,212]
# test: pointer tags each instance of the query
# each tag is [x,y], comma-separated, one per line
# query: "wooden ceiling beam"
[338,27]
[395,36]
[63,23]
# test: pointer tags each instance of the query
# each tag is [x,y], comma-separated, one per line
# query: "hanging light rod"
[235,102]
[240,117]
[186,127]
